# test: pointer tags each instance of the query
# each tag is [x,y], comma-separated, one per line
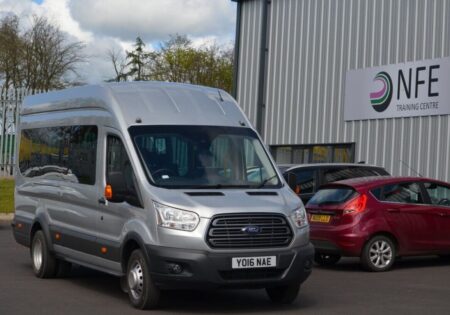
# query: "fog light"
[175,268]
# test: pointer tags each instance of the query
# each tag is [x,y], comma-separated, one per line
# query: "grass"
[6,195]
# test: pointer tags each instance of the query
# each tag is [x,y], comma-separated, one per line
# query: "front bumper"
[202,269]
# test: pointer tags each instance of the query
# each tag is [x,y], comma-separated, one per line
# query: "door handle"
[442,214]
[391,210]
[102,200]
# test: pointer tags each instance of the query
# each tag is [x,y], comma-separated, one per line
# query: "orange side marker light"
[108,192]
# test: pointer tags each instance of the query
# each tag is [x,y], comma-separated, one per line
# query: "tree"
[137,60]
[177,60]
[39,59]
[11,53]
[119,64]
[49,58]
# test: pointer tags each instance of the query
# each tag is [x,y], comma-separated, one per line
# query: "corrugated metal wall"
[311,45]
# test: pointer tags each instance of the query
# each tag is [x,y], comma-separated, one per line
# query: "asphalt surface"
[415,286]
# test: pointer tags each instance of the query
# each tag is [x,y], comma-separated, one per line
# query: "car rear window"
[329,196]
[336,174]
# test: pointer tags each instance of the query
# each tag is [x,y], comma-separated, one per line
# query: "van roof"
[151,103]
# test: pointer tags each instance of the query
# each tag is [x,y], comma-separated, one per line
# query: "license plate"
[253,262]
[322,218]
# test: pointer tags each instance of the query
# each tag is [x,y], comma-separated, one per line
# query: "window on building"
[320,153]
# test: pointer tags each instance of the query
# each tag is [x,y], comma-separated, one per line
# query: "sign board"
[419,88]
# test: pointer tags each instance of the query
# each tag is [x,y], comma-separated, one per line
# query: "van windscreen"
[332,196]
[203,157]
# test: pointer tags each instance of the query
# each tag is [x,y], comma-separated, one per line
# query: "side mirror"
[292,181]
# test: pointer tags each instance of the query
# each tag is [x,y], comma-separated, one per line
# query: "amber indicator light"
[108,192]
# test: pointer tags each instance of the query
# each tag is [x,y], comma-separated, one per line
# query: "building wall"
[312,43]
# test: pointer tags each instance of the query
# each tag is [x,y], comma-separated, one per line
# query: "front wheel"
[283,294]
[326,260]
[378,254]
[142,292]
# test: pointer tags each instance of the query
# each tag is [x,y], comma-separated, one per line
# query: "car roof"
[289,167]
[375,181]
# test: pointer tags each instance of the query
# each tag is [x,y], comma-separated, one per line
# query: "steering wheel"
[444,202]
[163,170]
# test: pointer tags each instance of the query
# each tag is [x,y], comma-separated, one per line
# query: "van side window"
[119,173]
[59,153]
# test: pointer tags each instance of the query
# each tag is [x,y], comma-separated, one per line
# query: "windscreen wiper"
[264,182]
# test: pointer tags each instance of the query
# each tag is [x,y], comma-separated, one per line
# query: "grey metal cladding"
[312,44]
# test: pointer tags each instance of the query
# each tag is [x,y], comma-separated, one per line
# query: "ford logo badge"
[251,229]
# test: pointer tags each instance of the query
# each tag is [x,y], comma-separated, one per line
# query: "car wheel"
[142,292]
[283,294]
[378,254]
[43,261]
[325,259]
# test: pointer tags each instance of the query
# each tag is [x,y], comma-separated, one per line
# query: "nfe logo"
[381,98]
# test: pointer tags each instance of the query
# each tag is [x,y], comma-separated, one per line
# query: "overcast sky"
[107,24]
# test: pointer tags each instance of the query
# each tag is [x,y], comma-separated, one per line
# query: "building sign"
[403,90]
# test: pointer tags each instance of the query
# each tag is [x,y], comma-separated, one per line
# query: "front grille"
[227,231]
[252,274]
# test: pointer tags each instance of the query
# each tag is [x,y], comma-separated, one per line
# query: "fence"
[10,103]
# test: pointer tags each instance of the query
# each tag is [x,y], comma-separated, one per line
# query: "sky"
[114,24]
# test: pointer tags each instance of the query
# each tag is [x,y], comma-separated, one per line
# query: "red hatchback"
[379,219]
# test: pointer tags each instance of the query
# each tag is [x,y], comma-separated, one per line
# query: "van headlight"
[299,217]
[177,219]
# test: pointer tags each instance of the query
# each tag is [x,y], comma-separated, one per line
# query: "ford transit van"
[164,185]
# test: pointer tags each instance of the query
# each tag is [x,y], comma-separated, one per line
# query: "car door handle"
[442,214]
[102,200]
[392,210]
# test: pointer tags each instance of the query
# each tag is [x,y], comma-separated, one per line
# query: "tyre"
[283,294]
[325,259]
[43,261]
[378,254]
[142,292]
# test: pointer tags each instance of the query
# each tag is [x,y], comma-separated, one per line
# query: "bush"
[6,195]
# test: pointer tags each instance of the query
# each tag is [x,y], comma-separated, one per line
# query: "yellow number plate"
[322,218]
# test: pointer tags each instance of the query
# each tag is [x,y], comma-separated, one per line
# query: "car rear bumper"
[201,269]
[338,242]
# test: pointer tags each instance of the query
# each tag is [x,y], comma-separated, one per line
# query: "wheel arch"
[130,243]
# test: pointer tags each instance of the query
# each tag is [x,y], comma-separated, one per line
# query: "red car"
[379,219]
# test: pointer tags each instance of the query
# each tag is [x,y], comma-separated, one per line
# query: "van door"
[73,162]
[125,200]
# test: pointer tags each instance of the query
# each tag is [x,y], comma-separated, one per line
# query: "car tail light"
[356,205]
